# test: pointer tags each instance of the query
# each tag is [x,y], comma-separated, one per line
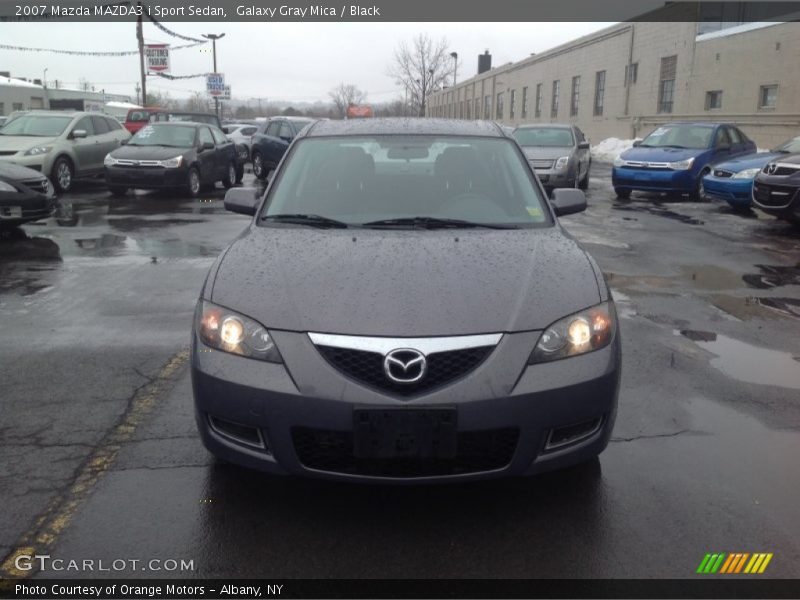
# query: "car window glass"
[733,133]
[219,137]
[274,128]
[248,130]
[681,136]
[138,116]
[100,125]
[205,136]
[86,124]
[722,138]
[113,124]
[285,131]
[544,136]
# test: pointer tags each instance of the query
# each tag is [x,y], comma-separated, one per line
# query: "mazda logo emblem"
[405,365]
[771,168]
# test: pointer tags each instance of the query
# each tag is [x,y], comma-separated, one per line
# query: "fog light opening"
[241,434]
[560,437]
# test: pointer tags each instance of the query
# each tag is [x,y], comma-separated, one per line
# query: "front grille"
[722,173]
[332,451]
[7,152]
[542,164]
[776,196]
[41,186]
[367,367]
[782,170]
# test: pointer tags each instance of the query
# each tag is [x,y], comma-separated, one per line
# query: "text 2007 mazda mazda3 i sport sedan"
[405,307]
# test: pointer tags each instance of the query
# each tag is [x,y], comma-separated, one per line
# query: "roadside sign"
[157,58]
[215,84]
[226,93]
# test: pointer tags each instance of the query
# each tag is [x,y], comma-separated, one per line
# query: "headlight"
[583,332]
[232,332]
[172,163]
[561,163]
[7,187]
[746,174]
[682,165]
[619,162]
[109,161]
[38,150]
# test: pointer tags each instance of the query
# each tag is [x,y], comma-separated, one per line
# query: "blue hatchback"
[675,157]
[732,180]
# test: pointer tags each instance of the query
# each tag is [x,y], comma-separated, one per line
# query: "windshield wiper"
[311,220]
[432,223]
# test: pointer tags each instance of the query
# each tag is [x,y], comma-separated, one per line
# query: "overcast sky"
[280,61]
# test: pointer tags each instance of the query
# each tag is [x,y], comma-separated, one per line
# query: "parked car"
[732,180]
[3,120]
[559,153]
[185,156]
[269,144]
[25,195]
[675,157]
[139,117]
[776,188]
[240,134]
[64,146]
[405,307]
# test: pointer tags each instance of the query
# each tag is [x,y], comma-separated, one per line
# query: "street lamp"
[455,69]
[214,37]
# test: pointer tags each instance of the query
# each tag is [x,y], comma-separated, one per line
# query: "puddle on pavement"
[745,362]
[658,209]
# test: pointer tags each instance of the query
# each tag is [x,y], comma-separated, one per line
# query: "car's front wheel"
[230,176]
[193,182]
[584,183]
[63,172]
[259,170]
[622,194]
[698,193]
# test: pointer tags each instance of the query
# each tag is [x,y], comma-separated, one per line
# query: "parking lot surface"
[100,457]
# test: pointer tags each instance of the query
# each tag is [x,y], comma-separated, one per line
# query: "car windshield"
[406,181]
[138,116]
[790,147]
[544,136]
[210,119]
[37,125]
[180,136]
[679,136]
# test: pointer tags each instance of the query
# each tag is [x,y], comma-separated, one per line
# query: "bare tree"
[420,68]
[344,95]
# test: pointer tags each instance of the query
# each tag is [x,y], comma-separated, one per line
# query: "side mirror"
[123,142]
[78,133]
[206,146]
[242,200]
[637,143]
[583,146]
[566,201]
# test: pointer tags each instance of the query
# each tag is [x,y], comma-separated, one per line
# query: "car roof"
[404,126]
[545,125]
[696,123]
[177,124]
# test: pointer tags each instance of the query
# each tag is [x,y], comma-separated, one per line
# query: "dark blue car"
[675,157]
[732,180]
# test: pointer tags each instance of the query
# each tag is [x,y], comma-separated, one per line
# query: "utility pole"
[140,37]
[214,37]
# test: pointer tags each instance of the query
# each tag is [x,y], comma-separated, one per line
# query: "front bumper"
[778,196]
[502,394]
[653,180]
[146,178]
[552,178]
[736,192]
[41,162]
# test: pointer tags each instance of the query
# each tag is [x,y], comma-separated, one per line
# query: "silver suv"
[61,145]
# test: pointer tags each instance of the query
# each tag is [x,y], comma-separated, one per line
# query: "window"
[554,104]
[86,124]
[17,106]
[487,107]
[631,73]
[100,125]
[2,108]
[576,94]
[524,102]
[538,110]
[599,92]
[467,104]
[273,128]
[205,136]
[666,86]
[461,110]
[113,124]
[285,131]
[722,139]
[768,96]
[477,108]
[500,105]
[512,105]
[713,99]
[736,136]
[219,137]
[248,130]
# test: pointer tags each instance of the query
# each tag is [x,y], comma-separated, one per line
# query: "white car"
[240,133]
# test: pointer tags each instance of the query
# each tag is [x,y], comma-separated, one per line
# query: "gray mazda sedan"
[405,307]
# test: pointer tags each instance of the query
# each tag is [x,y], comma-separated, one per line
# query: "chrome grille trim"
[426,345]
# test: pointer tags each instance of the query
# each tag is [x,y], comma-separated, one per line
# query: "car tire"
[62,174]
[239,173]
[622,194]
[698,193]
[117,190]
[230,176]
[194,184]
[259,169]
[584,183]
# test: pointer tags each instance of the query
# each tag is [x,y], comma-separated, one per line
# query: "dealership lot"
[102,460]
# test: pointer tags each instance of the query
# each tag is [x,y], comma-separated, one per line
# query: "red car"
[139,117]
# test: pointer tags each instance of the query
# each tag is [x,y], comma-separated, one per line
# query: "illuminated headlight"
[746,174]
[561,163]
[172,163]
[110,161]
[619,162]
[232,332]
[583,332]
[682,165]
[7,187]
[37,150]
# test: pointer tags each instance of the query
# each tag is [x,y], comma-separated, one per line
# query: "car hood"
[546,152]
[748,161]
[147,152]
[661,154]
[14,172]
[24,142]
[405,283]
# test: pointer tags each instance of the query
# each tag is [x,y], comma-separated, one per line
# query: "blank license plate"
[405,432]
[10,212]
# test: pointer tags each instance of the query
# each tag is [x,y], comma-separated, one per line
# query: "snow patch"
[611,148]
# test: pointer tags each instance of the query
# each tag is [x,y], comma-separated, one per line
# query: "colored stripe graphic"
[765,563]
[727,564]
[734,563]
[703,563]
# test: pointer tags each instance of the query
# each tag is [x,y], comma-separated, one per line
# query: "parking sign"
[215,84]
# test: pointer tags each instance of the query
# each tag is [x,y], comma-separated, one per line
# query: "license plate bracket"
[11,212]
[405,432]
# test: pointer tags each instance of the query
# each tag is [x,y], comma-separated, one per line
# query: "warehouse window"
[467,104]
[768,96]
[499,106]
[599,92]
[666,86]
[538,109]
[713,99]
[17,106]
[461,110]
[2,108]
[512,104]
[487,107]
[524,102]
[554,103]
[631,73]
[575,97]
[477,108]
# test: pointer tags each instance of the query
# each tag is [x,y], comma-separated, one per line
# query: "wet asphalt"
[99,458]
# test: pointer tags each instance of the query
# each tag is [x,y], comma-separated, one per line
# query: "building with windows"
[625,80]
